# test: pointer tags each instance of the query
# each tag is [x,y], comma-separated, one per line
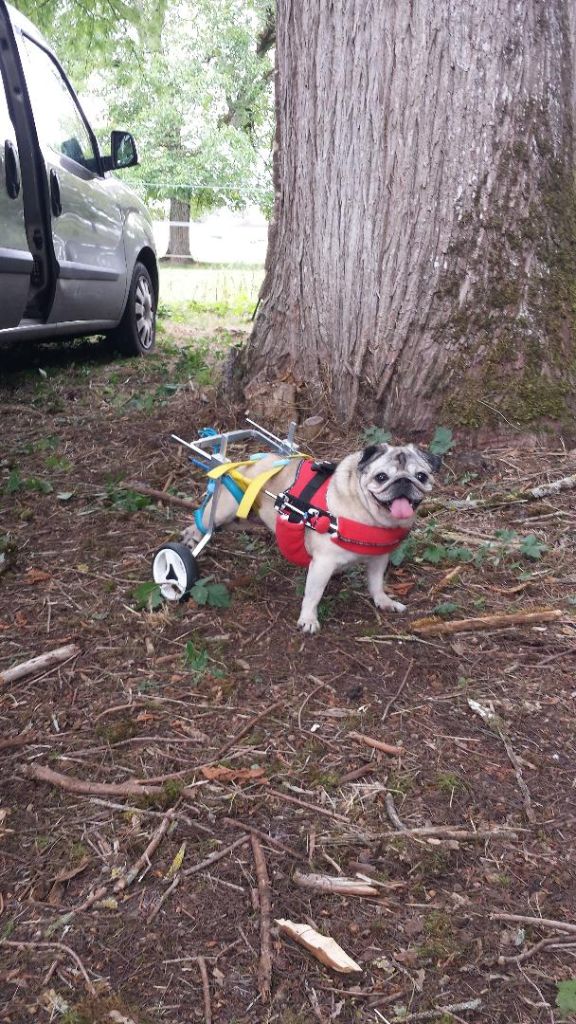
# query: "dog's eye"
[422,477]
[381,478]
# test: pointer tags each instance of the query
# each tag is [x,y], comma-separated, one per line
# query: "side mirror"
[123,152]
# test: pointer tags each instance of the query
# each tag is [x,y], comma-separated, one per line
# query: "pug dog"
[381,486]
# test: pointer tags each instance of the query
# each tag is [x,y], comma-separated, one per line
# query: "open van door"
[16,261]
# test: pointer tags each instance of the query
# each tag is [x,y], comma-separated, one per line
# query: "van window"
[59,123]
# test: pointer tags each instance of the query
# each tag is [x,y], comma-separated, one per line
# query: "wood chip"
[322,947]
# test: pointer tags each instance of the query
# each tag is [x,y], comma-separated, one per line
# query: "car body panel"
[98,227]
[15,257]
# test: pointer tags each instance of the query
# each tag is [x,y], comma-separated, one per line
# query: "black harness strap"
[304,499]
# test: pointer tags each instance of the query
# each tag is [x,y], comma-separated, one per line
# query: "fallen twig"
[521,957]
[542,922]
[152,492]
[393,813]
[39,664]
[144,861]
[440,831]
[393,699]
[246,729]
[19,741]
[358,773]
[265,965]
[157,906]
[434,628]
[205,989]
[216,856]
[497,725]
[448,832]
[438,1011]
[54,945]
[266,838]
[339,885]
[73,785]
[511,498]
[386,748]
[307,806]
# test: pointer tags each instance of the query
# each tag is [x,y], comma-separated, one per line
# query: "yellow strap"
[226,467]
[253,490]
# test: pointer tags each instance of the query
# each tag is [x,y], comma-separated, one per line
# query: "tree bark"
[179,238]
[421,264]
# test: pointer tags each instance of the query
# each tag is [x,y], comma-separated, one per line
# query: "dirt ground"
[240,723]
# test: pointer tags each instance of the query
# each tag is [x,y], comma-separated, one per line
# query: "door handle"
[55,194]
[12,170]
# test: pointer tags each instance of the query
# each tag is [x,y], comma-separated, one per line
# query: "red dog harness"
[296,512]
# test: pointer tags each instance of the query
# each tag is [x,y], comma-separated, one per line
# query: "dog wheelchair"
[175,565]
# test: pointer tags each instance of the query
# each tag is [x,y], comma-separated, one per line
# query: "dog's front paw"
[308,624]
[385,603]
[191,535]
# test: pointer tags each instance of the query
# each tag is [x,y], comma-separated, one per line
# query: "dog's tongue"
[401,509]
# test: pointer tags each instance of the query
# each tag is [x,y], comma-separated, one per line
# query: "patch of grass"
[449,782]
[196,657]
[16,482]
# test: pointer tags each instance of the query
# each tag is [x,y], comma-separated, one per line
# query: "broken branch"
[542,922]
[386,748]
[216,856]
[265,965]
[339,885]
[39,664]
[151,492]
[55,945]
[205,989]
[266,838]
[144,860]
[433,628]
[73,785]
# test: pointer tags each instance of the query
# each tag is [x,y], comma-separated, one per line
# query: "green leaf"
[435,553]
[216,595]
[196,658]
[566,996]
[445,608]
[148,596]
[34,483]
[401,552]
[506,536]
[376,435]
[14,482]
[442,441]
[531,547]
[460,554]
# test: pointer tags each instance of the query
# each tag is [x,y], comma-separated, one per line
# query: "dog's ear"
[369,453]
[434,461]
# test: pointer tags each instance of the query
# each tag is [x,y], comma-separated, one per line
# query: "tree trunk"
[179,239]
[422,255]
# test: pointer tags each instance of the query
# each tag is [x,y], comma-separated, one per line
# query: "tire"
[136,332]
[175,570]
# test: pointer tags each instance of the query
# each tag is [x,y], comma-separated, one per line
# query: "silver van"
[77,253]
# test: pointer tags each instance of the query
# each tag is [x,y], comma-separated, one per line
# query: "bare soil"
[156,695]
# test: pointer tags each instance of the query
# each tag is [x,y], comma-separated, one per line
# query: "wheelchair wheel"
[175,570]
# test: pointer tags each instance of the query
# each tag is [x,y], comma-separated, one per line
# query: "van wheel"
[136,332]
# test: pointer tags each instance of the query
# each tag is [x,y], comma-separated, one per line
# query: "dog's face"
[393,481]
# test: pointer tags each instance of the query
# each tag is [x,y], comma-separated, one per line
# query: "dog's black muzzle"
[401,489]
